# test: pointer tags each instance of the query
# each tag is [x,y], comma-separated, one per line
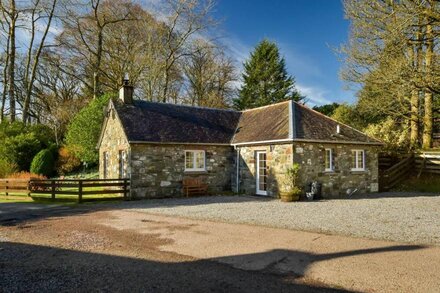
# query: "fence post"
[125,188]
[80,191]
[6,187]
[29,187]
[53,188]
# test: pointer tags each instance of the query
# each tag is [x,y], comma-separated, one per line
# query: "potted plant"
[290,190]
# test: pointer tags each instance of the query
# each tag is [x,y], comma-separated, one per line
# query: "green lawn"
[426,183]
[66,198]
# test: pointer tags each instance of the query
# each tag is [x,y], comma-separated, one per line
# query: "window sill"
[195,172]
[358,171]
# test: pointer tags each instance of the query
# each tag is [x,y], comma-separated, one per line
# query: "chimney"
[126,91]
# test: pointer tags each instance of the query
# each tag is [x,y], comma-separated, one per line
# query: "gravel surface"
[403,217]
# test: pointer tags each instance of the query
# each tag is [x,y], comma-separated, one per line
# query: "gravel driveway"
[390,216]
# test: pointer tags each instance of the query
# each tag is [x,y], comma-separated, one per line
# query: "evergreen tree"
[265,79]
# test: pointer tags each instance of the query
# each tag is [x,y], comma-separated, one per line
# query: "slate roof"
[312,125]
[169,123]
[264,123]
[160,122]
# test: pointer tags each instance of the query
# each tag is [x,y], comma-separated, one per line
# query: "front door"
[261,173]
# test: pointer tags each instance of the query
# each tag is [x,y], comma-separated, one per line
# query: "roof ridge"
[266,106]
[328,117]
[188,106]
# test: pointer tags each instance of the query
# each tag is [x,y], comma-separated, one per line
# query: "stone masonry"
[157,170]
[113,141]
[311,157]
[278,159]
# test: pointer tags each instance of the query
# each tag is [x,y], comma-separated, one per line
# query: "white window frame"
[122,163]
[332,167]
[105,164]
[356,154]
[194,152]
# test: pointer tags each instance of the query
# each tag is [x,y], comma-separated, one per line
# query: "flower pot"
[288,196]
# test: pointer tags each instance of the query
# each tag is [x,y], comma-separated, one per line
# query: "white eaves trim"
[285,140]
[264,142]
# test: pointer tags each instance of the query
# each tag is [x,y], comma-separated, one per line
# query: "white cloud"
[314,95]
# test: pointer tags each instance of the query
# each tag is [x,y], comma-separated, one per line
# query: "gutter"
[174,143]
[287,140]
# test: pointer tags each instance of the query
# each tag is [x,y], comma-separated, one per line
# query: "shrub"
[394,135]
[83,132]
[20,143]
[6,168]
[25,175]
[67,162]
[20,150]
[43,163]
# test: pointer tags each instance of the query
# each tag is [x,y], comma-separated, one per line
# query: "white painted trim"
[237,177]
[337,142]
[356,152]
[257,177]
[177,143]
[332,167]
[291,121]
[264,142]
[284,140]
[194,161]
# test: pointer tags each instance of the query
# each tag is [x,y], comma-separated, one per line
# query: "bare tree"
[83,38]
[33,56]
[10,14]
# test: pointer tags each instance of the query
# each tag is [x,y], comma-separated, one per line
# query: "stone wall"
[157,170]
[311,158]
[278,159]
[113,141]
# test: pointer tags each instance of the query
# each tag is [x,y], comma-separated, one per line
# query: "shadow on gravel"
[296,263]
[36,268]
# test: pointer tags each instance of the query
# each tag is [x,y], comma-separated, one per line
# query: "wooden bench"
[194,186]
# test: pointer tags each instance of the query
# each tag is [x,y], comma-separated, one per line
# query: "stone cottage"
[156,145]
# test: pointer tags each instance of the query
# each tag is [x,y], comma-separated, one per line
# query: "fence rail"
[396,174]
[14,186]
[428,162]
[79,187]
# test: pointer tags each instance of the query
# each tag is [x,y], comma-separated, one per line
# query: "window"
[122,164]
[358,160]
[328,160]
[105,164]
[194,160]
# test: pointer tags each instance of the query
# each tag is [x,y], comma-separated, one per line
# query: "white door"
[261,173]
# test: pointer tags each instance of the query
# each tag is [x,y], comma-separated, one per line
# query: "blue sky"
[305,30]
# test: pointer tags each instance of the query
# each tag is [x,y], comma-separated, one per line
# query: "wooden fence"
[14,186]
[396,174]
[428,162]
[77,187]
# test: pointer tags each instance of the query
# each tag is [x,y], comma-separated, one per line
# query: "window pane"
[353,155]
[360,159]
[200,160]
[189,160]
[328,158]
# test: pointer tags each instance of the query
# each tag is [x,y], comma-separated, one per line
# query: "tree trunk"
[5,82]
[427,119]
[30,81]
[11,67]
